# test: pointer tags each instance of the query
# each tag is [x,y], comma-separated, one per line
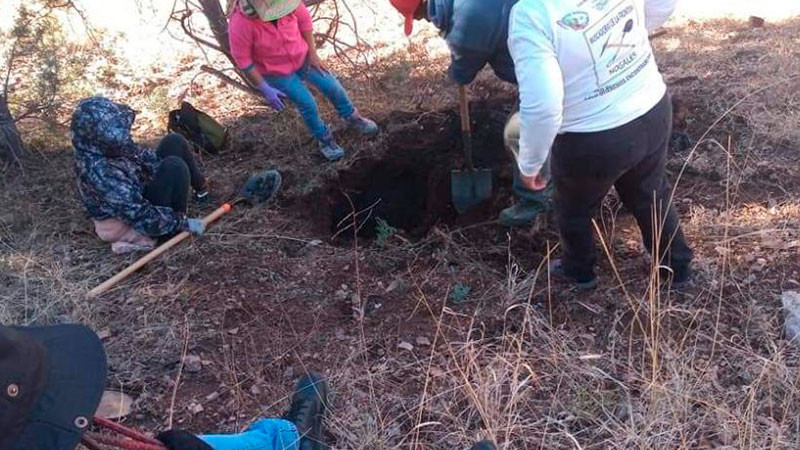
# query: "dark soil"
[409,188]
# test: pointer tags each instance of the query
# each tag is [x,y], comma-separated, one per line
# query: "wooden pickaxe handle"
[156,252]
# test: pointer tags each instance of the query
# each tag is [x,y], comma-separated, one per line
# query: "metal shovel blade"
[469,188]
[261,187]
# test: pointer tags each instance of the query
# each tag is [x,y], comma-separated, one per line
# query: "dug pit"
[408,186]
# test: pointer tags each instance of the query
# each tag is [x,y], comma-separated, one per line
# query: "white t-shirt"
[582,66]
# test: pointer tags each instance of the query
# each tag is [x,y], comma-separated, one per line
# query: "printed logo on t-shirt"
[575,21]
[618,46]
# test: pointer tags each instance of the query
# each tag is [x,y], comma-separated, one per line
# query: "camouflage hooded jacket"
[113,171]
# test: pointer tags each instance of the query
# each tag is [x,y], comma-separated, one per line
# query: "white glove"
[196,226]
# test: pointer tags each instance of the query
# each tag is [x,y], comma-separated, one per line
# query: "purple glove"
[272,95]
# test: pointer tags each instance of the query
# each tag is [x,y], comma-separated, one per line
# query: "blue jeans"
[266,434]
[294,86]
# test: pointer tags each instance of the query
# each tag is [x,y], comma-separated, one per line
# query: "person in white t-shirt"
[590,89]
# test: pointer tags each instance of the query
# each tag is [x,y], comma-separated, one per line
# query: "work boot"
[329,148]
[309,402]
[363,125]
[484,445]
[262,187]
[522,214]
[582,283]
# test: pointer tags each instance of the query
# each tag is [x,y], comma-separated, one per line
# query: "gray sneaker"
[363,125]
[330,149]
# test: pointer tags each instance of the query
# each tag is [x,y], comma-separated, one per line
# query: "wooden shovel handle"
[155,253]
[466,129]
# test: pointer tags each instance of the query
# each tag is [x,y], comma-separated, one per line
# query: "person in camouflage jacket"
[142,189]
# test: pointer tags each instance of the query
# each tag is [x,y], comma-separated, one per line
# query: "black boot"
[484,445]
[309,402]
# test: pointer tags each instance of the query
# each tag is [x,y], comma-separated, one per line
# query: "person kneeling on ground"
[603,106]
[133,195]
[272,42]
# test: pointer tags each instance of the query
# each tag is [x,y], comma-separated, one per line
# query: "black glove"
[182,440]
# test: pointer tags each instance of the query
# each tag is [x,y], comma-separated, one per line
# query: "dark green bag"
[198,128]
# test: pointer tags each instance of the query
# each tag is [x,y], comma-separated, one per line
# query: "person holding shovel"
[134,196]
[272,42]
[590,89]
[476,32]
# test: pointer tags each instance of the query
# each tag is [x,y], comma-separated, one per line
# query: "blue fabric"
[294,86]
[476,32]
[266,434]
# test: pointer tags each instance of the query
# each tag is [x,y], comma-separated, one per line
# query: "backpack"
[205,133]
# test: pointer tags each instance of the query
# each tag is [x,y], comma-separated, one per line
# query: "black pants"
[631,158]
[177,171]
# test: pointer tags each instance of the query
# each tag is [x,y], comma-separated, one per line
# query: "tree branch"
[230,81]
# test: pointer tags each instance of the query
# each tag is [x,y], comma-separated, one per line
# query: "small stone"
[756,22]
[393,286]
[405,346]
[195,408]
[255,390]
[212,396]
[437,372]
[104,334]
[422,340]
[233,331]
[192,363]
[169,382]
[114,405]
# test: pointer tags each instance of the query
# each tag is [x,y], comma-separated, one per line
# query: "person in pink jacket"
[272,42]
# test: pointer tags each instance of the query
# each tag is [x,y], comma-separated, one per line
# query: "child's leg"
[266,434]
[294,88]
[175,145]
[327,83]
[170,184]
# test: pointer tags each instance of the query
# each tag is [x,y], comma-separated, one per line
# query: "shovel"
[470,187]
[259,188]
